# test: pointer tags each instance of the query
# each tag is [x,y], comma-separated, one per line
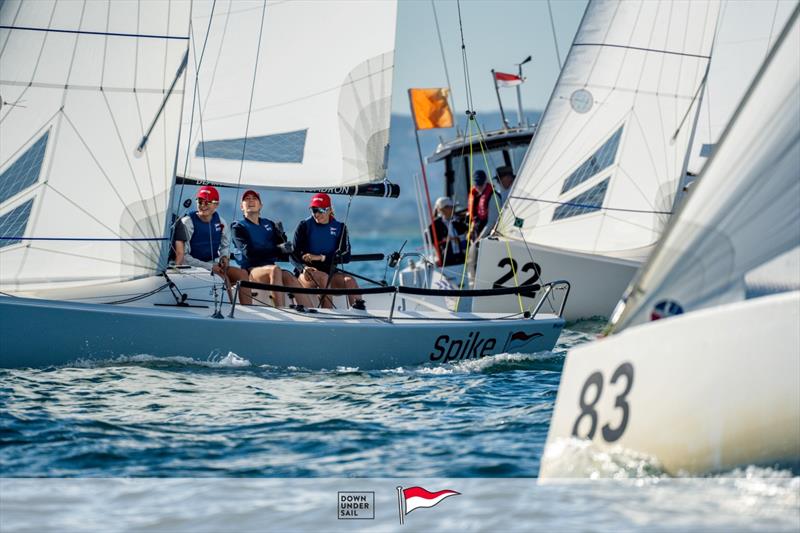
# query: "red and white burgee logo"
[504,79]
[416,497]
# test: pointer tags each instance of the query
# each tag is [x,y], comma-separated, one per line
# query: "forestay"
[81,82]
[742,221]
[605,164]
[277,108]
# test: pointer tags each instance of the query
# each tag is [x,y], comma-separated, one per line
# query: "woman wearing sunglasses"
[321,241]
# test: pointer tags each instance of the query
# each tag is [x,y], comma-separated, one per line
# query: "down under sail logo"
[416,497]
[519,339]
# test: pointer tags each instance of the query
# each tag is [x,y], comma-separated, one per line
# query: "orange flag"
[430,108]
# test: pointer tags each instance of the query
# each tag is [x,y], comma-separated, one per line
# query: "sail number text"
[511,264]
[587,405]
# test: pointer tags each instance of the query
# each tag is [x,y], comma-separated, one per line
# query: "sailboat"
[701,372]
[106,104]
[627,122]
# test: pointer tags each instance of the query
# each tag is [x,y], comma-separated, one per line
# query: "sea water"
[176,444]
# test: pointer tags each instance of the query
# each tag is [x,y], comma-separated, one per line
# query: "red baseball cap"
[320,200]
[251,191]
[208,193]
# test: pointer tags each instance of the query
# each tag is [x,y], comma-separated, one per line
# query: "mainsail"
[273,108]
[742,221]
[80,85]
[605,164]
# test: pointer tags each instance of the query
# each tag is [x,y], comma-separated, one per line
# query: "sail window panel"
[278,148]
[12,224]
[601,159]
[587,202]
[25,171]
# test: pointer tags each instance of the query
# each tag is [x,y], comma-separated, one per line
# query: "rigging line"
[250,104]
[592,206]
[643,49]
[498,207]
[105,33]
[73,87]
[198,64]
[8,35]
[126,208]
[555,39]
[219,55]
[200,110]
[116,261]
[444,60]
[464,61]
[35,67]
[143,142]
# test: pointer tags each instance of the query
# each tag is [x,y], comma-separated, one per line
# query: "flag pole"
[400,504]
[499,102]
[425,181]
[519,91]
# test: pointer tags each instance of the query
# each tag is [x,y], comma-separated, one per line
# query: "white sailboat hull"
[262,335]
[597,282]
[707,391]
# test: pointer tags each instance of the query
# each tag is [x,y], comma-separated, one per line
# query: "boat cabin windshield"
[457,169]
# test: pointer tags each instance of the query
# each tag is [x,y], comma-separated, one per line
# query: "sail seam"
[101,33]
[643,49]
[600,208]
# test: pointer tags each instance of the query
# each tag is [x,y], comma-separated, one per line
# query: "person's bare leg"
[290,281]
[314,279]
[236,275]
[271,275]
[343,281]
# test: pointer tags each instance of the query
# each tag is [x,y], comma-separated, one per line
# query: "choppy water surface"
[145,417]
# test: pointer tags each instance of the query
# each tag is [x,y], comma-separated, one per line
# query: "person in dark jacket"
[451,234]
[260,241]
[320,243]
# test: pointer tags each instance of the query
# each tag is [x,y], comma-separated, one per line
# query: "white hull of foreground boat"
[262,335]
[597,282]
[702,392]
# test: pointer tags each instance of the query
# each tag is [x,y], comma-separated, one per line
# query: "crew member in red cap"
[320,242]
[207,243]
[260,240]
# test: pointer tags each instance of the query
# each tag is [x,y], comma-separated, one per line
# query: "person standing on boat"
[204,241]
[319,242]
[505,179]
[480,198]
[260,240]
[451,234]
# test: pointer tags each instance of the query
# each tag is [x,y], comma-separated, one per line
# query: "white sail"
[291,94]
[746,31]
[740,226]
[81,82]
[605,164]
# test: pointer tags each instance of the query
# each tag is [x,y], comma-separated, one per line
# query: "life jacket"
[479,203]
[324,238]
[206,237]
[259,244]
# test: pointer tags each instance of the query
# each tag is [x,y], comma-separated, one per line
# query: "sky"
[497,34]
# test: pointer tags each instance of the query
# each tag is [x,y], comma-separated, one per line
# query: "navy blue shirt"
[257,242]
[327,239]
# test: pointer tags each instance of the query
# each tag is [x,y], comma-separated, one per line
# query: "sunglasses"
[319,210]
[200,201]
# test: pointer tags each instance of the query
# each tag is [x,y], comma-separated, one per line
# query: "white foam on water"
[576,458]
[475,366]
[231,360]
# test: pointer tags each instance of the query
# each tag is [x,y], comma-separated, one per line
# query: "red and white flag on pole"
[507,80]
[416,497]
